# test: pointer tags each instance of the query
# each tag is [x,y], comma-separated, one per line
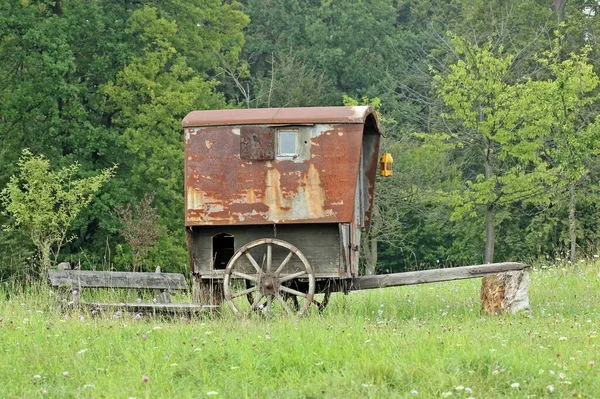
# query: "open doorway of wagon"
[223,249]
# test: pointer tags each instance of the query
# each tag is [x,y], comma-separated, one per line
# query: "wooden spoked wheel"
[259,277]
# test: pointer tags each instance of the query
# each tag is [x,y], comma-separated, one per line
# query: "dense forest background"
[489,108]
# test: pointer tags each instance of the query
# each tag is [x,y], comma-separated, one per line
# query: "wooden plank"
[218,275]
[102,279]
[155,307]
[430,276]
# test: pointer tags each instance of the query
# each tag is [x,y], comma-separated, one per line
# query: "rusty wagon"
[276,201]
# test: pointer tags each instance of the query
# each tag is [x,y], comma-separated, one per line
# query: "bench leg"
[162,296]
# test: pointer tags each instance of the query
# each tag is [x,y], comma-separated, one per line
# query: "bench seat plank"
[102,279]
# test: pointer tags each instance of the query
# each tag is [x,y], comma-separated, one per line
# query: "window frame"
[281,154]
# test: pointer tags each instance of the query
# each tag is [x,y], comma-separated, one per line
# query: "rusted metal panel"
[317,186]
[257,143]
[281,116]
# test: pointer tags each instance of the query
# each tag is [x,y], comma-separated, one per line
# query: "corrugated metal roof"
[280,116]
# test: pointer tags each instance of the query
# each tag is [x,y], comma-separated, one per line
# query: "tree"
[496,125]
[140,229]
[345,42]
[568,100]
[148,100]
[44,202]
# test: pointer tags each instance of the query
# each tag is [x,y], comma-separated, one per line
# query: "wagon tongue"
[433,275]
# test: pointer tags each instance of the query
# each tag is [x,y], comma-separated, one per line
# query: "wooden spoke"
[251,259]
[245,292]
[295,303]
[283,304]
[269,305]
[292,276]
[256,302]
[269,257]
[323,304]
[244,275]
[292,291]
[285,261]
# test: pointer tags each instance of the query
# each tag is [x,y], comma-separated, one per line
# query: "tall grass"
[423,341]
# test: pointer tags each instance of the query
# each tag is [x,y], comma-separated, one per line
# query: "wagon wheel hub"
[268,284]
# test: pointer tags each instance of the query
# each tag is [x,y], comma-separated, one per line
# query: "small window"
[288,142]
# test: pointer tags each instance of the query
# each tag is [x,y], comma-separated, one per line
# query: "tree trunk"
[558,6]
[490,236]
[44,259]
[369,244]
[370,247]
[505,292]
[572,224]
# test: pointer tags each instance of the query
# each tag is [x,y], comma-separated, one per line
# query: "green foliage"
[290,83]
[107,82]
[148,100]
[347,43]
[44,203]
[500,121]
[567,101]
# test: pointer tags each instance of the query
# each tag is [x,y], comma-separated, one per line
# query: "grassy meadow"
[425,341]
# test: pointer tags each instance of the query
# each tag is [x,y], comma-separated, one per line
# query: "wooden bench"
[72,282]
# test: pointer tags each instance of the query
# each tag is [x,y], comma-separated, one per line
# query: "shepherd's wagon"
[276,201]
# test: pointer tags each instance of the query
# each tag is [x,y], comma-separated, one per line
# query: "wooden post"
[64,266]
[162,296]
[196,290]
[505,293]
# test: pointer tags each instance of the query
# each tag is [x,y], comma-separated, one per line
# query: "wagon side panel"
[212,246]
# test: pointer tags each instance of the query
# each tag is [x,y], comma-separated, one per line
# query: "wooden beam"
[431,276]
[172,308]
[102,279]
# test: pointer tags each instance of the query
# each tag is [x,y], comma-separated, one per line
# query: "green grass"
[375,344]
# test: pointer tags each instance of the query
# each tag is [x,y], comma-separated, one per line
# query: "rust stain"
[273,195]
[314,194]
[250,196]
